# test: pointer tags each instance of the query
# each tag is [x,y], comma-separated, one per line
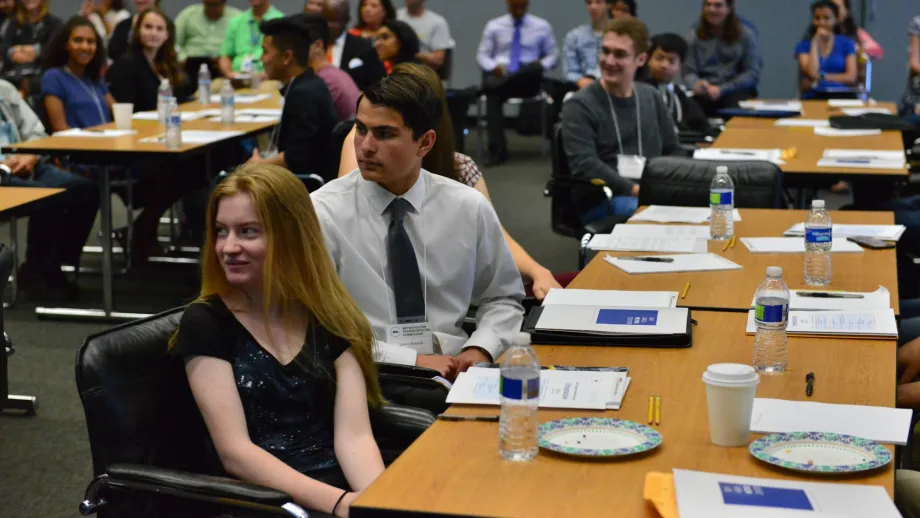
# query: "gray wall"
[780,22]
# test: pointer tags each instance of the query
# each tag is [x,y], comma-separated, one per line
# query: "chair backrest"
[447,67]
[6,268]
[564,216]
[685,182]
[339,133]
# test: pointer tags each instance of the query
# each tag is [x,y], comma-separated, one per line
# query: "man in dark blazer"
[352,54]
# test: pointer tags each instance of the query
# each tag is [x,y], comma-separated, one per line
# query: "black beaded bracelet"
[339,501]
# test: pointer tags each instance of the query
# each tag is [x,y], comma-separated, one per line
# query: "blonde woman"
[278,356]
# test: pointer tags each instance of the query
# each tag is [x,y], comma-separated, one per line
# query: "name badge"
[416,335]
[631,166]
[246,65]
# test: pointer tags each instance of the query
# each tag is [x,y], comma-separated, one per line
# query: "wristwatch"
[821,76]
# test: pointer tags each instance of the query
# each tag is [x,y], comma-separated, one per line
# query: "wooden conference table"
[733,290]
[127,150]
[12,201]
[810,110]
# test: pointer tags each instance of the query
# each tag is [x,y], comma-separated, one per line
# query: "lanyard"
[616,122]
[254,35]
[383,271]
[93,94]
[670,96]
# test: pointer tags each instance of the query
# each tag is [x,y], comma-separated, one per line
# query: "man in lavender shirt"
[516,49]
[342,87]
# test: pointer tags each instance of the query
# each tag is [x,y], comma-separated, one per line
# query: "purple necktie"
[515,63]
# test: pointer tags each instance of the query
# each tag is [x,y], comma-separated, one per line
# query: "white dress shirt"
[338,47]
[461,252]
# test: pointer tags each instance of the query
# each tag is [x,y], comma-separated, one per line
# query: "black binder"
[542,337]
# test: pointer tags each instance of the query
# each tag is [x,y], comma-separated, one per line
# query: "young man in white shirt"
[416,249]
[433,32]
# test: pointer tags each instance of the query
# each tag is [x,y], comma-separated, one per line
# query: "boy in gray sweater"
[616,119]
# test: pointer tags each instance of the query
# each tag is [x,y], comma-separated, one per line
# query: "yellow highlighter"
[651,407]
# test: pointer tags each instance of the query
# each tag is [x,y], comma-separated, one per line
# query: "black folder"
[543,337]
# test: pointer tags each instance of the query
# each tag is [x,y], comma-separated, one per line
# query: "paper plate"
[597,437]
[818,452]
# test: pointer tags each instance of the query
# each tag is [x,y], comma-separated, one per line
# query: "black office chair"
[685,182]
[336,141]
[152,454]
[25,404]
[447,67]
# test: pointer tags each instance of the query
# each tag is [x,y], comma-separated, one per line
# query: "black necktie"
[407,283]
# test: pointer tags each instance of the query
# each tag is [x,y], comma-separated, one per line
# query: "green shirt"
[197,35]
[243,39]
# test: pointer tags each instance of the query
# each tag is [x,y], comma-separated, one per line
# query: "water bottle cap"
[722,169]
[731,375]
[164,82]
[521,339]
[817,204]
[203,67]
[774,272]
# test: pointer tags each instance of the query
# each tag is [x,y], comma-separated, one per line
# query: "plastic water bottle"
[771,315]
[818,242]
[722,205]
[173,124]
[164,94]
[520,392]
[204,84]
[227,104]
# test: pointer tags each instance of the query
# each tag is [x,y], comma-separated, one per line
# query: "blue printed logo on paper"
[764,496]
[774,314]
[628,317]
[720,198]
[516,389]
[818,235]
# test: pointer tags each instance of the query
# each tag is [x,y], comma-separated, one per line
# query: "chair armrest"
[406,370]
[399,426]
[181,484]
[605,226]
[575,181]
[412,376]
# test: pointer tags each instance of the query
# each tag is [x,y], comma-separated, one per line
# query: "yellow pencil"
[726,245]
[686,289]
[658,409]
[732,243]
[651,407]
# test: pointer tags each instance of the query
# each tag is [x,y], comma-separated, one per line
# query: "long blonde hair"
[298,276]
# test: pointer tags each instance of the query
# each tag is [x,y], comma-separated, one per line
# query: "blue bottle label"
[772,314]
[720,198]
[517,389]
[818,235]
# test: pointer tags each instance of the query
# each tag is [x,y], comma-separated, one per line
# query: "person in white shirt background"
[104,15]
[456,240]
[433,32]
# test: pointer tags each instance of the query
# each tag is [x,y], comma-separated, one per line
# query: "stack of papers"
[866,323]
[772,106]
[863,158]
[647,244]
[834,132]
[183,115]
[672,214]
[734,154]
[794,245]
[803,123]
[883,232]
[578,389]
[880,424]
[243,98]
[849,103]
[251,118]
[670,231]
[681,263]
[713,495]
[93,133]
[601,320]
[856,112]
[838,300]
[197,136]
[611,298]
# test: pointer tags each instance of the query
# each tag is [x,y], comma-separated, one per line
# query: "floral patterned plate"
[818,452]
[597,437]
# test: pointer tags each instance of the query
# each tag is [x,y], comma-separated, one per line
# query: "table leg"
[14,275]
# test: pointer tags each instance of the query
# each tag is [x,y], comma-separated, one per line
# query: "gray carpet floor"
[45,461]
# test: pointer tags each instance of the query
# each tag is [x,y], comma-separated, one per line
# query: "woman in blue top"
[827,59]
[75,96]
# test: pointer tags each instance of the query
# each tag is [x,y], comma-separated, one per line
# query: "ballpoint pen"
[828,295]
[809,383]
[648,259]
[741,153]
[476,418]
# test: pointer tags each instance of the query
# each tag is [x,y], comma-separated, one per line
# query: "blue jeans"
[58,228]
[617,206]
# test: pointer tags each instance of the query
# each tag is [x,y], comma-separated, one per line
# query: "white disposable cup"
[123,112]
[730,391]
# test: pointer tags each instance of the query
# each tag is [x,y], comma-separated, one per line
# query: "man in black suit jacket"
[352,54]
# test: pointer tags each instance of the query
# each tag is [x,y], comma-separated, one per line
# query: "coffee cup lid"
[731,375]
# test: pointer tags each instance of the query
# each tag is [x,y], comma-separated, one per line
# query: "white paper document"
[586,390]
[733,154]
[834,132]
[253,118]
[672,214]
[611,298]
[267,112]
[243,98]
[784,106]
[880,424]
[794,245]
[849,103]
[715,495]
[856,112]
[859,323]
[863,158]
[803,123]
[205,137]
[668,231]
[883,232]
[681,263]
[799,300]
[94,133]
[647,244]
[183,115]
[601,320]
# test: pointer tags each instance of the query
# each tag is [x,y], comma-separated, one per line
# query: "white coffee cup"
[730,390]
[123,112]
